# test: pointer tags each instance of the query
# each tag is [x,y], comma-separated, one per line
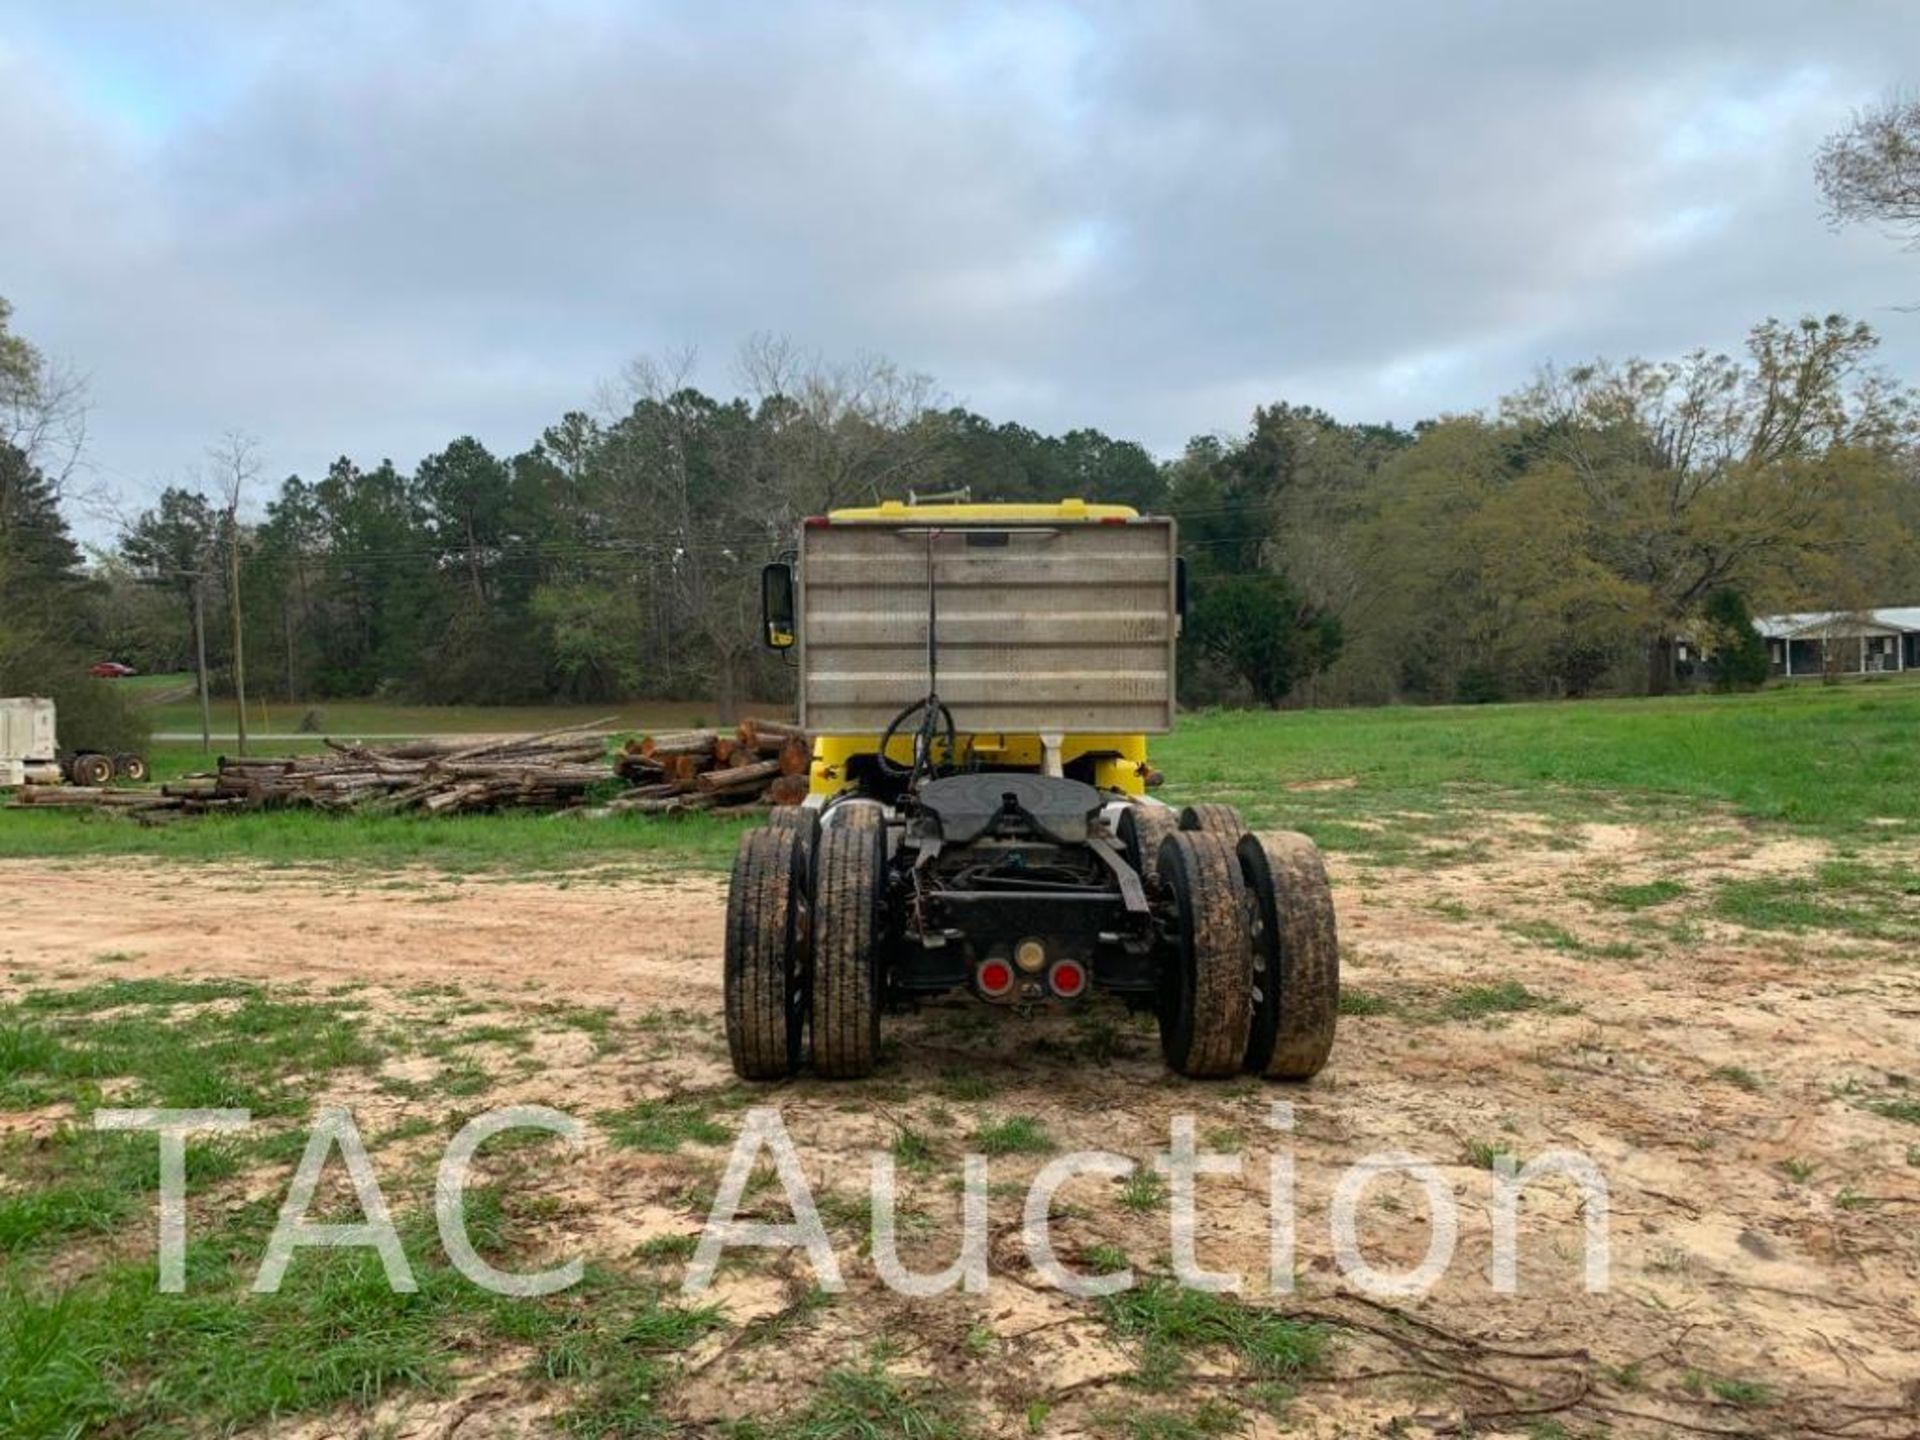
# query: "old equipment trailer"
[983,679]
[30,750]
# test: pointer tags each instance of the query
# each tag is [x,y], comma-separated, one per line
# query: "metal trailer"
[982,680]
[30,752]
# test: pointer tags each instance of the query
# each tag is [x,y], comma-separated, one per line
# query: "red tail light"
[1068,979]
[994,977]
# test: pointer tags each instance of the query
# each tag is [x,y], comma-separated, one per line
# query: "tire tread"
[846,1000]
[1204,1035]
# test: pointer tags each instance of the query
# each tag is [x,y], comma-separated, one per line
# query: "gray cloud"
[372,227]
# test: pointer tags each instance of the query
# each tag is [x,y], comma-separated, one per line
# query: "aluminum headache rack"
[1063,626]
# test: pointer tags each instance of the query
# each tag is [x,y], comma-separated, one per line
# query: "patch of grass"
[108,1351]
[1905,1109]
[1211,1417]
[1144,1190]
[868,1404]
[1798,1171]
[598,1022]
[1355,1001]
[1016,1135]
[1738,1076]
[1169,1324]
[1643,896]
[1741,1392]
[663,1126]
[1849,896]
[1807,756]
[1105,1259]
[1477,1002]
[1485,1154]
[82,1182]
[507,844]
[161,1043]
[914,1151]
[968,1085]
[1558,937]
[667,1247]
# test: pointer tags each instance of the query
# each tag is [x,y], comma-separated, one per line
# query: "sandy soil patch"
[1762,1214]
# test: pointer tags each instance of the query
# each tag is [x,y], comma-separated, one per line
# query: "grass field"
[173,709]
[1678,933]
[1836,761]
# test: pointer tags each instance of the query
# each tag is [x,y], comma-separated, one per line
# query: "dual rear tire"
[803,924]
[766,954]
[1255,985]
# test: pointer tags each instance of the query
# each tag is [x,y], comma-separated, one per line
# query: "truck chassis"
[1028,891]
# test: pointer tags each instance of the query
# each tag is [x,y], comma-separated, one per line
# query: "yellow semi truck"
[982,680]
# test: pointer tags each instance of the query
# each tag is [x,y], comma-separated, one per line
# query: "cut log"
[789,790]
[739,777]
[679,742]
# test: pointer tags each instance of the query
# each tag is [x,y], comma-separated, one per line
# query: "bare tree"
[844,433]
[43,409]
[1870,172]
[233,465]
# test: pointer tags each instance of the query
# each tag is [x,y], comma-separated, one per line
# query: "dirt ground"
[1765,1268]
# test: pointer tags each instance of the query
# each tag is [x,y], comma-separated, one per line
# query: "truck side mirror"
[776,606]
[1180,589]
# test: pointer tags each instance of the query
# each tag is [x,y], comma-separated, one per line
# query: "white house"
[1843,642]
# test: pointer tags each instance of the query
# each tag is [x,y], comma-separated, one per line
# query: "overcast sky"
[369,228]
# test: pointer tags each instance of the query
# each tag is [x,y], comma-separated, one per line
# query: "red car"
[112,670]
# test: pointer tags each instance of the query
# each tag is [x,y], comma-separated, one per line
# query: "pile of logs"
[762,764]
[550,771]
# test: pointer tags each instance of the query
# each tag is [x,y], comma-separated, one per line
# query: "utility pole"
[236,461]
[233,598]
[200,657]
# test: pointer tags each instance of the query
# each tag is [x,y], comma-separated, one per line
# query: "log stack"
[549,771]
[761,764]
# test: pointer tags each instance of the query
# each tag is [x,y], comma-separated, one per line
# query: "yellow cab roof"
[961,512]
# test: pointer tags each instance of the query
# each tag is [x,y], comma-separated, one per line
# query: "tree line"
[1559,544]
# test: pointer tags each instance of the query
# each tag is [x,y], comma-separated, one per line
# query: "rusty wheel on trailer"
[1206,994]
[90,769]
[1143,828]
[1296,956]
[1213,820]
[131,767]
[847,880]
[766,980]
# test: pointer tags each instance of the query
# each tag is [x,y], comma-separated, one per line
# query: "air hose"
[936,720]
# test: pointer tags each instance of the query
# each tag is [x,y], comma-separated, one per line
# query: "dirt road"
[1745,1093]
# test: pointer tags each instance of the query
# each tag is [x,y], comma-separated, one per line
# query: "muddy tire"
[846,950]
[131,767]
[1296,956]
[1143,829]
[1206,994]
[804,825]
[1213,820]
[766,990]
[859,815]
